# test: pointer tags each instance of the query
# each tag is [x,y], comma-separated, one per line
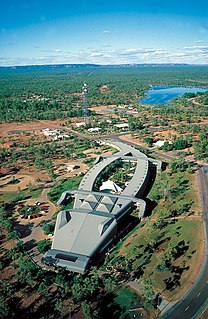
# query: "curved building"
[85,231]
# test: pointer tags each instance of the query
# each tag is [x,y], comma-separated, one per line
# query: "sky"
[103,32]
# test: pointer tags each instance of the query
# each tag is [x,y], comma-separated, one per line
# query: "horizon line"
[103,65]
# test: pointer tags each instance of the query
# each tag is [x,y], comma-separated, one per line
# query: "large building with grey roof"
[84,232]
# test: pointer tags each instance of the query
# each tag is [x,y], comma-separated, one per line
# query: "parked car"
[44,207]
[37,215]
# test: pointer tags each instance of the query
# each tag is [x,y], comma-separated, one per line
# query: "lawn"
[135,248]
[127,299]
[62,186]
[155,243]
[7,196]
[33,192]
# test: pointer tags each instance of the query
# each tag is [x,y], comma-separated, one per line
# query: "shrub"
[44,245]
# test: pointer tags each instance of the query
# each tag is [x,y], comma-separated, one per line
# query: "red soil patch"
[104,89]
[7,145]
[102,107]
[5,128]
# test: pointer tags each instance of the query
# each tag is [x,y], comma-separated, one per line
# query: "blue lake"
[163,94]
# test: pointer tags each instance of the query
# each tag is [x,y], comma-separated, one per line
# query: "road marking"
[187,308]
[198,294]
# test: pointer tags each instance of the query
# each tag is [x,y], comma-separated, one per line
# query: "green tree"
[44,245]
[86,309]
[27,271]
[59,306]
[5,311]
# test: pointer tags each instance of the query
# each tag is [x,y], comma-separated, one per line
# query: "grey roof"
[108,200]
[91,225]
[104,207]
[88,205]
[93,198]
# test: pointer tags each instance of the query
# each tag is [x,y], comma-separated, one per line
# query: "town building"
[84,232]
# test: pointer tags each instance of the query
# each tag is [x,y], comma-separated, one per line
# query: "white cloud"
[95,54]
[197,54]
[201,47]
[106,31]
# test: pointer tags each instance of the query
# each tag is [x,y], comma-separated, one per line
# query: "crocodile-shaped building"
[84,232]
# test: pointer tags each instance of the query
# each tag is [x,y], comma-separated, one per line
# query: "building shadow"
[150,206]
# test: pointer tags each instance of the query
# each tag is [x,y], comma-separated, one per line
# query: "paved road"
[196,297]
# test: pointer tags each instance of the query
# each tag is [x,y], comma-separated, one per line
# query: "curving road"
[196,299]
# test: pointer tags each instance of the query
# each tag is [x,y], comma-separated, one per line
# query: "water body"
[163,94]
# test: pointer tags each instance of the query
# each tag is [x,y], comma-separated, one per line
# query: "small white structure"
[49,132]
[94,129]
[161,143]
[122,126]
[71,168]
[80,124]
[61,136]
[109,185]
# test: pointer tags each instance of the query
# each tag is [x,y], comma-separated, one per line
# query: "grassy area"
[7,196]
[33,192]
[165,248]
[62,186]
[127,298]
[183,266]
[171,191]
[89,161]
[131,304]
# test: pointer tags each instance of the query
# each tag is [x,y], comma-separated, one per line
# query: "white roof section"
[110,185]
[94,129]
[50,132]
[70,167]
[161,143]
[80,124]
[121,125]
